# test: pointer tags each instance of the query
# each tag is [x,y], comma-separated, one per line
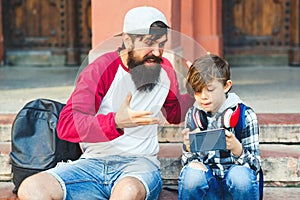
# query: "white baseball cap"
[138,20]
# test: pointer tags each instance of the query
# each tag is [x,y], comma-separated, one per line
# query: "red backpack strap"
[241,124]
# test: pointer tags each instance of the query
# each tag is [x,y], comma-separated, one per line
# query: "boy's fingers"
[188,148]
[228,133]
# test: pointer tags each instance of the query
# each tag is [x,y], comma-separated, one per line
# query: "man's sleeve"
[79,121]
[176,104]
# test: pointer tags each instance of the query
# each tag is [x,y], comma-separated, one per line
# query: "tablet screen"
[207,140]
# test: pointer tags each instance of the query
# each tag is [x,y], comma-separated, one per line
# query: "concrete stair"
[280,152]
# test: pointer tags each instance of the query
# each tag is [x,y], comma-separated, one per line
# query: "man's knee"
[40,186]
[129,188]
[27,188]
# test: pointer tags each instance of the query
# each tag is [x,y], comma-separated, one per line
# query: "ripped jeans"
[89,178]
[240,182]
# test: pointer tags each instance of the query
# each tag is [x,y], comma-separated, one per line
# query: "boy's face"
[213,96]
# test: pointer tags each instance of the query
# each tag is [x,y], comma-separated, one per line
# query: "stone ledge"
[6,191]
[7,118]
[270,193]
[280,163]
[278,118]
[282,134]
[263,118]
[269,133]
[171,150]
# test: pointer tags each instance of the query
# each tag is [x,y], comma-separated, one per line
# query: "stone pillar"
[72,54]
[1,37]
[207,16]
[294,51]
[108,15]
[201,20]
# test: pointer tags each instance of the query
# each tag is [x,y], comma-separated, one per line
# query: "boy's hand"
[126,117]
[186,141]
[233,144]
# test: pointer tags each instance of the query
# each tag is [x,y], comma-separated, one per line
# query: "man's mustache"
[156,59]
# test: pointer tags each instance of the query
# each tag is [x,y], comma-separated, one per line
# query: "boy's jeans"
[239,183]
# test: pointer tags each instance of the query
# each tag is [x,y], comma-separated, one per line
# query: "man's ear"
[127,42]
[227,86]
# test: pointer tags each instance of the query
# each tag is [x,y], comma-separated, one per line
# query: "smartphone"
[207,140]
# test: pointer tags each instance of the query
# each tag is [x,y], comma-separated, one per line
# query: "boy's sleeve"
[186,155]
[250,142]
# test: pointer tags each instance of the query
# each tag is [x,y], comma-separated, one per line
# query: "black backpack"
[35,146]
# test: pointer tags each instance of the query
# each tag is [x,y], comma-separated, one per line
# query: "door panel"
[33,24]
[48,25]
[255,27]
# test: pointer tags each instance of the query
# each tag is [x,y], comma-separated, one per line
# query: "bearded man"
[113,113]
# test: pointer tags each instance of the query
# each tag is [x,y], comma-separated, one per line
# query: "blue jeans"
[238,183]
[96,178]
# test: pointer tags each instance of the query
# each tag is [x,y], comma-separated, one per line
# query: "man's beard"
[145,78]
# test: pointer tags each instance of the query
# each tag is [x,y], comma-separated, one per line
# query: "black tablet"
[207,140]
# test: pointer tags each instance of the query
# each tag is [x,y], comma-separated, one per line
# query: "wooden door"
[61,27]
[256,31]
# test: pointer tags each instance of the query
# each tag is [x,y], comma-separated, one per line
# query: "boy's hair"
[206,69]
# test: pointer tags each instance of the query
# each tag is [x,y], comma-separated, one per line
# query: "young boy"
[218,174]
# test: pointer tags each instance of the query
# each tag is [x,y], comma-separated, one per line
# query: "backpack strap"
[238,129]
[261,183]
[241,125]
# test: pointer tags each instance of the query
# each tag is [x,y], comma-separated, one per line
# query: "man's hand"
[186,141]
[127,118]
[233,144]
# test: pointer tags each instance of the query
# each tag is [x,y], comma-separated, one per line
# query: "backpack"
[35,146]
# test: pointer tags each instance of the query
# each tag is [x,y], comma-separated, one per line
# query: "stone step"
[5,166]
[274,128]
[279,138]
[270,193]
[280,163]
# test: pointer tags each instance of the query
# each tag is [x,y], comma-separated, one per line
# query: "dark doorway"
[48,32]
[258,32]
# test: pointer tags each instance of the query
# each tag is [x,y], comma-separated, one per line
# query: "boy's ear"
[227,86]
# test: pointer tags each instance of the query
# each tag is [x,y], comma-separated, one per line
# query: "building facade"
[60,32]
